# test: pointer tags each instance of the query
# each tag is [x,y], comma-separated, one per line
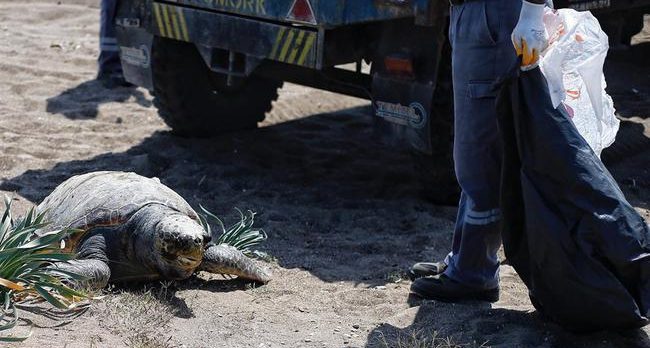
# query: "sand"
[342,211]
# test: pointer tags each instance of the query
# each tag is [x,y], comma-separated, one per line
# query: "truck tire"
[436,172]
[196,102]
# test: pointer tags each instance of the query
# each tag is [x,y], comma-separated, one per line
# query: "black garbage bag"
[578,245]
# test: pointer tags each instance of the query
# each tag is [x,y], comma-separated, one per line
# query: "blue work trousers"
[109,56]
[481,52]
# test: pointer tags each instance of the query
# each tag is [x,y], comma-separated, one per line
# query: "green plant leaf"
[241,234]
[49,298]
[27,252]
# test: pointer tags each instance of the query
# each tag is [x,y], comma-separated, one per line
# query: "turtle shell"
[106,199]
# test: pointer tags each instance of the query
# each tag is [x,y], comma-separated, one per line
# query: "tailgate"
[326,12]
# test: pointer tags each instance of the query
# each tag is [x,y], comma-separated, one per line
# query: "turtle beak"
[187,251]
[181,242]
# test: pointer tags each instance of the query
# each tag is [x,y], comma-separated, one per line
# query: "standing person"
[109,64]
[482,33]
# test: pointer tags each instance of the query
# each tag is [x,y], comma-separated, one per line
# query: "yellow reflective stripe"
[307,48]
[161,27]
[167,23]
[287,45]
[278,40]
[181,16]
[296,47]
[177,29]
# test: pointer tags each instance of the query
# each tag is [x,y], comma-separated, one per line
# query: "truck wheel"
[436,171]
[194,101]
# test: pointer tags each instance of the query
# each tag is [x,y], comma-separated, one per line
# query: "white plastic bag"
[573,67]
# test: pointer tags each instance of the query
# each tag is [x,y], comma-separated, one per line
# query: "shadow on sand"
[439,324]
[83,100]
[334,202]
[167,291]
[626,72]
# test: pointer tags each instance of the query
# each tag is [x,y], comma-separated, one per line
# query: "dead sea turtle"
[137,229]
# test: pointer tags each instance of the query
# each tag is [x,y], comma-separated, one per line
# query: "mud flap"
[403,110]
[135,52]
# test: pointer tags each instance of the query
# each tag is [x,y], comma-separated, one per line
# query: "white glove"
[530,37]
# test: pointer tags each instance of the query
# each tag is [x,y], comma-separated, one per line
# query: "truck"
[215,66]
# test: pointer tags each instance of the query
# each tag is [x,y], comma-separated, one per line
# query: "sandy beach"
[342,211]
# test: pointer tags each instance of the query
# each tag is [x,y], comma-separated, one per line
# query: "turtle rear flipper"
[225,259]
[96,272]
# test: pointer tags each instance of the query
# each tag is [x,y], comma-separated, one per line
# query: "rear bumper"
[260,39]
[138,21]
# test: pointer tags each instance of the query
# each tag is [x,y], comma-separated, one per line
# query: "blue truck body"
[262,28]
[327,13]
[265,29]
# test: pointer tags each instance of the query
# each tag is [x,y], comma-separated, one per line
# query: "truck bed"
[327,13]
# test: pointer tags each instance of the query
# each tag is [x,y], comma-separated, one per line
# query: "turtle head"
[179,245]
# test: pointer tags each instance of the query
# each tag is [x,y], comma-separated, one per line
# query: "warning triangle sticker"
[301,11]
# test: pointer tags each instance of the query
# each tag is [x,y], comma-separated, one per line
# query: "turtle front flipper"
[96,272]
[225,259]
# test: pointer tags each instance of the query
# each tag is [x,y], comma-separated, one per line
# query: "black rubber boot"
[443,288]
[426,269]
[113,80]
